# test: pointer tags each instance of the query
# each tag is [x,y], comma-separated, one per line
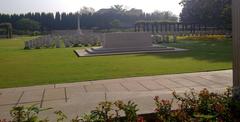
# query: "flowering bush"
[203,37]
[204,106]
[4,120]
[164,109]
[109,112]
[26,114]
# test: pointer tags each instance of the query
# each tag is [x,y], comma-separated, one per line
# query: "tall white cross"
[79,28]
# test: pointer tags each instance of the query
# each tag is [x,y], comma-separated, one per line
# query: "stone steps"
[118,50]
[104,52]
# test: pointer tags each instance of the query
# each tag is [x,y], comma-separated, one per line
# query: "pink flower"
[140,119]
[156,98]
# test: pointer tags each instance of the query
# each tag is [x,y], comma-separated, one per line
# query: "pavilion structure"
[7,28]
[178,28]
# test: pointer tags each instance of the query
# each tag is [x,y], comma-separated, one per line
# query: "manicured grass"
[20,67]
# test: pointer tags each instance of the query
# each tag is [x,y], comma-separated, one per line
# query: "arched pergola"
[8,28]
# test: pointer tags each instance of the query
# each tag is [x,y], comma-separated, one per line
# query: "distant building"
[104,11]
[134,12]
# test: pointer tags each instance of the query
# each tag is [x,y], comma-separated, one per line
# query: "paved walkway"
[78,98]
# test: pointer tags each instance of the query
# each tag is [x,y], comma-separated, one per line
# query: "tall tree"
[28,24]
[118,8]
[87,10]
[212,12]
[115,23]
[57,21]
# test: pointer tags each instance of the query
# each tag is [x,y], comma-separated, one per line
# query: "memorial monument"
[126,43]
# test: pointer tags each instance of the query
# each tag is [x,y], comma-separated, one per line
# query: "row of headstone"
[157,39]
[48,41]
[67,39]
[76,40]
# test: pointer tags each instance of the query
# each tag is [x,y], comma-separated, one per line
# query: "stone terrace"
[78,98]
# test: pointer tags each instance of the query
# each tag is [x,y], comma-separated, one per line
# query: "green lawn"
[20,67]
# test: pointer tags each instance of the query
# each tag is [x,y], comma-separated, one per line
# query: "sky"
[24,6]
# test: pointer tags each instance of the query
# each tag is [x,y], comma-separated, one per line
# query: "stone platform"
[126,43]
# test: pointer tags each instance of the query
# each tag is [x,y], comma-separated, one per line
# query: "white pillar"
[236,46]
[79,25]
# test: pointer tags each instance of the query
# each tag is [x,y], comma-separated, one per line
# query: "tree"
[164,16]
[57,21]
[211,12]
[87,10]
[119,8]
[89,18]
[28,24]
[4,18]
[115,23]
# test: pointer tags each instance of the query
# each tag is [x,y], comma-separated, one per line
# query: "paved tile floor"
[78,98]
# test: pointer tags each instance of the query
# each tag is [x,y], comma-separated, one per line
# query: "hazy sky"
[24,6]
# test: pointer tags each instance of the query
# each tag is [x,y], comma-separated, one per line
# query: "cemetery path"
[81,97]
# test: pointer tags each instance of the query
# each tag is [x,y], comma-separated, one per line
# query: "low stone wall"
[127,39]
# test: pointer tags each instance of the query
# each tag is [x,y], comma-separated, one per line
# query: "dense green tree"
[5,18]
[101,19]
[28,24]
[118,8]
[115,23]
[57,21]
[211,12]
[164,16]
[87,10]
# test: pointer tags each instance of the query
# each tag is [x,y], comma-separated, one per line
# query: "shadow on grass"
[212,51]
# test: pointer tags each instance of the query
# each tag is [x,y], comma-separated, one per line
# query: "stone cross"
[79,26]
